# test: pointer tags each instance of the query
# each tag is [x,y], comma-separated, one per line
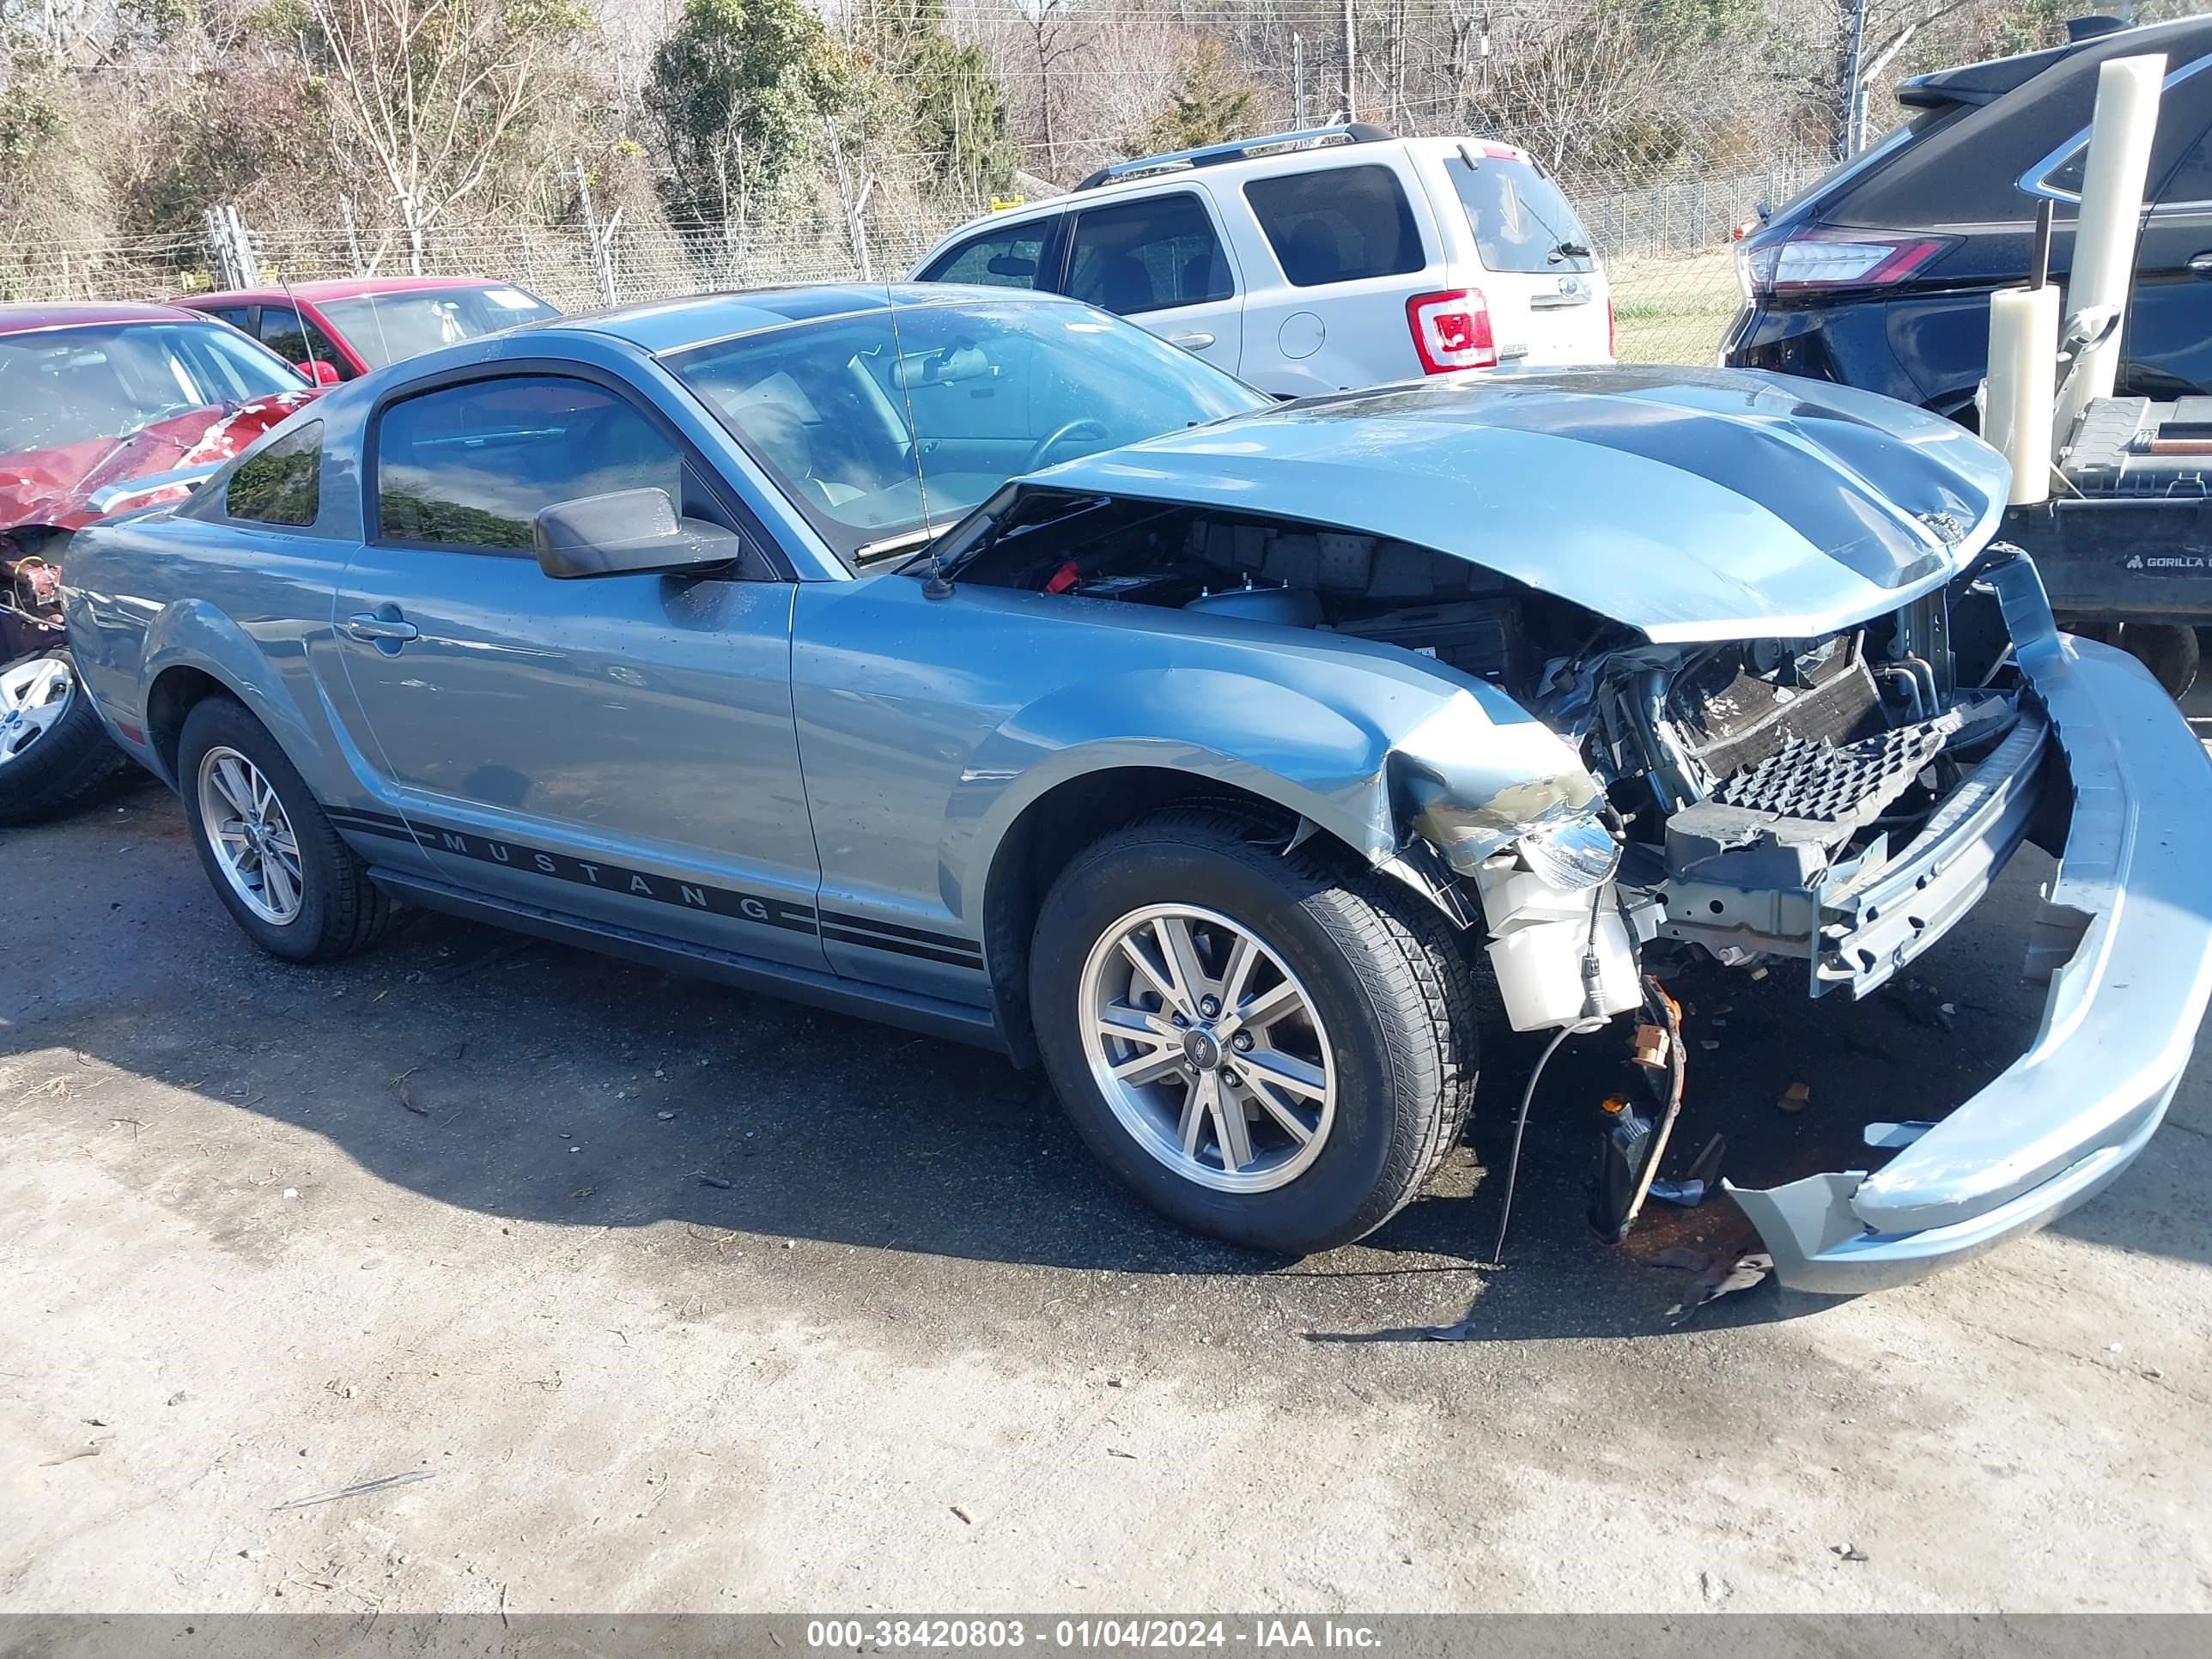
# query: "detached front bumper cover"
[2125,937]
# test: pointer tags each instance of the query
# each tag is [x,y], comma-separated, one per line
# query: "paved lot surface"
[684,1301]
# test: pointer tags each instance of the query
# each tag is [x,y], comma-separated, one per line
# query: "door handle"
[2200,264]
[371,629]
[1191,342]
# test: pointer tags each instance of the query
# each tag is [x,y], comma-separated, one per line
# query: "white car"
[1309,262]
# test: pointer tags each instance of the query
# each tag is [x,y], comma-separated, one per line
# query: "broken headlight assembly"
[1571,856]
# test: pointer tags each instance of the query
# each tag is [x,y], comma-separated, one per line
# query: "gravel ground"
[673,1300]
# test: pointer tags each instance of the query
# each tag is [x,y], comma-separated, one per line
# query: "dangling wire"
[1519,1124]
[934,586]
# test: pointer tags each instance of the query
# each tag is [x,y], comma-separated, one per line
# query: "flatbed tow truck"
[2112,495]
[2126,551]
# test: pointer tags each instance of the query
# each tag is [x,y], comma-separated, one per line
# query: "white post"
[2104,265]
[1350,55]
[2023,378]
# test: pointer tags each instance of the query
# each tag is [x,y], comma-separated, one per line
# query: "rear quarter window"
[280,484]
[1338,224]
[2176,170]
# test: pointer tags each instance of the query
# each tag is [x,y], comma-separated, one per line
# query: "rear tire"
[280,869]
[2169,650]
[1375,1063]
[54,752]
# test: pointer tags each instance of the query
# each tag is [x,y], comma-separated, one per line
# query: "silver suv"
[1314,261]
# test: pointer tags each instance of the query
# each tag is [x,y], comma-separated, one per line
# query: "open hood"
[1689,504]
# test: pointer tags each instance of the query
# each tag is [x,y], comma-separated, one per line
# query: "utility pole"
[1298,80]
[856,205]
[601,237]
[352,236]
[1851,138]
[1351,50]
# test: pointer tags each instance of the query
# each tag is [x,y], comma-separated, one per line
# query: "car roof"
[339,288]
[25,318]
[1975,151]
[667,325]
[1267,164]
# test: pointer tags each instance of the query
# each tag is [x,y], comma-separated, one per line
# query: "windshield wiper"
[1566,251]
[913,537]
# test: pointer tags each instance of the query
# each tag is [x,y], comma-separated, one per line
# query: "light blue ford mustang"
[1205,761]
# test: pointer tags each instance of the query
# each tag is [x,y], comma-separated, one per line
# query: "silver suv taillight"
[1451,330]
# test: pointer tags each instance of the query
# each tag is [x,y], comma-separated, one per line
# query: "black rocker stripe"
[948,942]
[363,819]
[585,872]
[905,948]
[946,948]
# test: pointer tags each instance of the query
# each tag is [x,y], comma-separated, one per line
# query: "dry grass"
[1674,310]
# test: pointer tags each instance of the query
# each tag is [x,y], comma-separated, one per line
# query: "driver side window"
[468,467]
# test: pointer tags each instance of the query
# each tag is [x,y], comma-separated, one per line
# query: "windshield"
[70,386]
[387,328]
[833,408]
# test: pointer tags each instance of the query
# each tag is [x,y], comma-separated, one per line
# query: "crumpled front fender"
[1364,759]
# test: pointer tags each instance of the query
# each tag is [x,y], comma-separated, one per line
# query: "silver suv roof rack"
[1350,132]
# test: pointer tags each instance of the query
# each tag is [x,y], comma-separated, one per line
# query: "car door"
[1162,262]
[618,748]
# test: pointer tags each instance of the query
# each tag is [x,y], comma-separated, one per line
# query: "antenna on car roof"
[937,584]
[314,366]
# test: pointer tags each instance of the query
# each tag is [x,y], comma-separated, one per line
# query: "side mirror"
[626,532]
[318,370]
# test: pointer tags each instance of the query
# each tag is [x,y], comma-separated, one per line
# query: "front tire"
[1259,1046]
[54,752]
[280,869]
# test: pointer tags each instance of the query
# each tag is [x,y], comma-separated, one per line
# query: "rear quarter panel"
[250,608]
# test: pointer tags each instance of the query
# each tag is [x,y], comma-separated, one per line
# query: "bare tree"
[430,93]
[1574,91]
[1052,39]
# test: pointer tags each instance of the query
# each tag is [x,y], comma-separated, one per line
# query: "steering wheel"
[1081,426]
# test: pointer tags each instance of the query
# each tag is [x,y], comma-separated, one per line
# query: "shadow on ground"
[527,1081]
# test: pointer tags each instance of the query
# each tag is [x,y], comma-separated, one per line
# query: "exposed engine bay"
[1758,797]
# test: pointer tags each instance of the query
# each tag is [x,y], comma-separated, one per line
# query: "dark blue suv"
[1879,275]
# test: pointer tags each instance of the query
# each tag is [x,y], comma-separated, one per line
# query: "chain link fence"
[1666,246]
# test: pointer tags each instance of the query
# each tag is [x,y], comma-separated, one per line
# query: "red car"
[335,331]
[102,407]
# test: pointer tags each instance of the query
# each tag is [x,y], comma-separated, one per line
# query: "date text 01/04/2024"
[1258,1635]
